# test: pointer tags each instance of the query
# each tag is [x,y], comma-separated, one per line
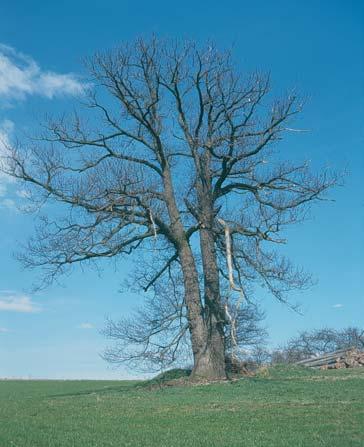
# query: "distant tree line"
[318,342]
[254,339]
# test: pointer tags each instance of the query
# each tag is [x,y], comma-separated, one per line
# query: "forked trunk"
[214,316]
[206,330]
[212,361]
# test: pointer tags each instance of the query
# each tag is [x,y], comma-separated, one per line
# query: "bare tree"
[350,337]
[318,342]
[170,159]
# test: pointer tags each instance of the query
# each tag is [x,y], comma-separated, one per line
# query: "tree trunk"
[205,328]
[214,313]
[207,343]
[209,362]
[193,301]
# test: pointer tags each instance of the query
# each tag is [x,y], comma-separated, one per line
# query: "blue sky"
[315,47]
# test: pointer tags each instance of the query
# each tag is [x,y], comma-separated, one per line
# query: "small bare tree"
[155,336]
[172,157]
[319,342]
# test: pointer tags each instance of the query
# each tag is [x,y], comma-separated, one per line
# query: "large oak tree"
[172,155]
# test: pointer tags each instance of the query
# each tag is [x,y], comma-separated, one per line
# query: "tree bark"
[206,330]
[214,314]
[213,311]
[207,337]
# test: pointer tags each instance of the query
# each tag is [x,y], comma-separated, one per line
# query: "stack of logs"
[344,358]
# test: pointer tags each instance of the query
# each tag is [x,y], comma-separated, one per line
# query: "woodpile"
[235,366]
[344,358]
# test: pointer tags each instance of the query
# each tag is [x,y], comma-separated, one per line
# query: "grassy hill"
[279,407]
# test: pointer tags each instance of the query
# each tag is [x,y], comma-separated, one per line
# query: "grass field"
[281,407]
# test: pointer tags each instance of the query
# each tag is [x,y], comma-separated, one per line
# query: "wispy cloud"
[337,306]
[17,302]
[8,204]
[3,330]
[21,76]
[2,189]
[23,194]
[6,129]
[86,326]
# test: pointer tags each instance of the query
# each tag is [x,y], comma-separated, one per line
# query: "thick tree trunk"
[206,338]
[209,362]
[193,301]
[214,314]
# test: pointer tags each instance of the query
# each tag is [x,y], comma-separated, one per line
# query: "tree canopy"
[173,157]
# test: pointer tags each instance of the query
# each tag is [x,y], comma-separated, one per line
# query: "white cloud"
[53,84]
[23,193]
[6,129]
[9,204]
[3,330]
[337,306]
[86,326]
[17,302]
[21,76]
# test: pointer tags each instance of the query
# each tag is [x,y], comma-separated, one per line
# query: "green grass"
[281,407]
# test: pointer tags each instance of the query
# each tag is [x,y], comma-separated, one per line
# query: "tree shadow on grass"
[104,390]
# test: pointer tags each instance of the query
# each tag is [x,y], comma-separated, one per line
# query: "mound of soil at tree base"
[235,368]
[172,377]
